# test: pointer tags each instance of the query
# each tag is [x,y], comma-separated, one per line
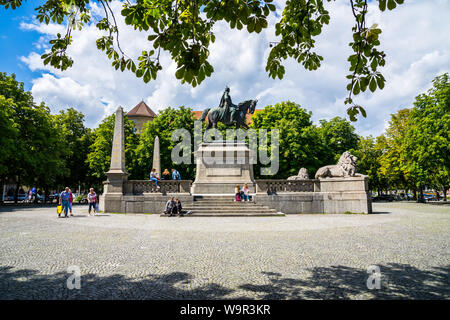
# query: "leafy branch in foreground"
[184,29]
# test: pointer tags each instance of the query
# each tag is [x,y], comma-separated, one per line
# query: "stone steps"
[215,204]
[231,214]
[222,209]
[225,206]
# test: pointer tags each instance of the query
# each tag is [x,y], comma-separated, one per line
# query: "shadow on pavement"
[399,281]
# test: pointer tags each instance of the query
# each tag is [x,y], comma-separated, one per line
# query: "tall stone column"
[156,157]
[117,173]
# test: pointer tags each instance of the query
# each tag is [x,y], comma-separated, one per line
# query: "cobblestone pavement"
[293,257]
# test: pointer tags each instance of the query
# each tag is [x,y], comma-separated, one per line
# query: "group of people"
[173,207]
[242,194]
[166,175]
[66,200]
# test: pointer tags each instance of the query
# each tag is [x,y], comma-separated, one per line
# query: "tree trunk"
[444,191]
[2,185]
[421,199]
[16,192]
[45,194]
[35,199]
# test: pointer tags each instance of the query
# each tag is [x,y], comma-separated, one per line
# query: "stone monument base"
[153,203]
[221,165]
[349,194]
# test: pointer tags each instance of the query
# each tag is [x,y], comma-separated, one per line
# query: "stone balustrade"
[137,187]
[271,186]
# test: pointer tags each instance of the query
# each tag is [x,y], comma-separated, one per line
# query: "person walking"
[166,174]
[64,201]
[154,177]
[92,200]
[246,192]
[70,202]
[175,175]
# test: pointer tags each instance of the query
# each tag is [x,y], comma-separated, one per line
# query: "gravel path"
[293,257]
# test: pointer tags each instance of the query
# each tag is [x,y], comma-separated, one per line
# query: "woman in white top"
[154,177]
[246,193]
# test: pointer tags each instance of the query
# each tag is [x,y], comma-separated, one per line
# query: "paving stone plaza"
[293,257]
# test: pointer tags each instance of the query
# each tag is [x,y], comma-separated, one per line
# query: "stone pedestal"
[221,165]
[350,194]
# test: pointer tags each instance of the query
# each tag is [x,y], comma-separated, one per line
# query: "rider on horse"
[229,113]
[226,103]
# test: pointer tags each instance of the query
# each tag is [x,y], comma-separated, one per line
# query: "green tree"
[78,139]
[427,140]
[49,151]
[99,157]
[8,134]
[337,136]
[396,162]
[369,151]
[35,156]
[300,143]
[162,126]
[185,30]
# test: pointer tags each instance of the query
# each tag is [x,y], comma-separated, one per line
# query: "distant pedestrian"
[245,193]
[92,200]
[176,175]
[154,177]
[70,202]
[64,201]
[166,174]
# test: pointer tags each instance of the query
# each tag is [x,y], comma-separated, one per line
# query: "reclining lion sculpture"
[346,167]
[302,175]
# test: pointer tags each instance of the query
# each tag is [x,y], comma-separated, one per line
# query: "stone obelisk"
[156,157]
[117,173]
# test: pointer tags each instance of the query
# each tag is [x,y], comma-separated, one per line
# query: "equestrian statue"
[229,113]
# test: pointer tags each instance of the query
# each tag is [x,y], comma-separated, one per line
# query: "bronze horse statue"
[229,113]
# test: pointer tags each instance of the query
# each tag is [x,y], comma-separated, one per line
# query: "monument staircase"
[225,206]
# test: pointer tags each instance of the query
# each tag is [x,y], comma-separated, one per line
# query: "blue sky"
[414,38]
[15,43]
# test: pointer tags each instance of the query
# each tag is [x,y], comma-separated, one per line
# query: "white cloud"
[412,39]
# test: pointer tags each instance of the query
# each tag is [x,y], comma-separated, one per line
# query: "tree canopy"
[184,29]
[33,151]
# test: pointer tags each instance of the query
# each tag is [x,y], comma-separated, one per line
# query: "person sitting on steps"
[169,209]
[245,193]
[179,208]
[237,192]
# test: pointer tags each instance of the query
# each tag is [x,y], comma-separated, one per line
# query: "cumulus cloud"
[416,53]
